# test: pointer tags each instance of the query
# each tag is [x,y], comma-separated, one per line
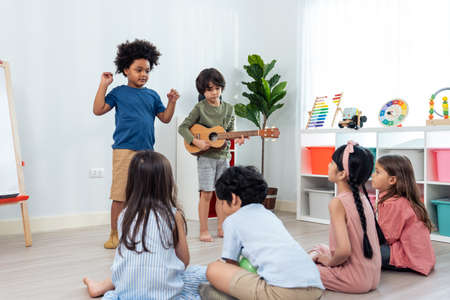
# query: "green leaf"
[262,94]
[274,108]
[255,59]
[275,78]
[269,67]
[252,86]
[266,90]
[240,110]
[256,100]
[254,71]
[247,112]
[278,97]
[250,96]
[252,59]
[279,88]
[254,115]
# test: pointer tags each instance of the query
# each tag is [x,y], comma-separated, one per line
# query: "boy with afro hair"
[136,108]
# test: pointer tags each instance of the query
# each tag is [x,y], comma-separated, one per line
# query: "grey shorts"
[209,170]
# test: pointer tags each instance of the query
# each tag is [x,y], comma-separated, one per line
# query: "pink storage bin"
[442,163]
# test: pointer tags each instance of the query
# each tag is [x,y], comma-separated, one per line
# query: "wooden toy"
[337,101]
[352,118]
[393,113]
[445,121]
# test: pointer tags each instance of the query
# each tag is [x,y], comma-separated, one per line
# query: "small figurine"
[352,118]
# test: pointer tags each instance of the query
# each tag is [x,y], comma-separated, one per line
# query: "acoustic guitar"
[216,136]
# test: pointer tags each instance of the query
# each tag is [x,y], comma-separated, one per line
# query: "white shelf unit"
[417,143]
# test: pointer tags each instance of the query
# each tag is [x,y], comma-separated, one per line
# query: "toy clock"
[393,112]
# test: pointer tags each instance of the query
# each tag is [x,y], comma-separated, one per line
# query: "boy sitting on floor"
[284,270]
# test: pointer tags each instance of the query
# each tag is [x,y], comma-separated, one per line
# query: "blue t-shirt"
[135,117]
[261,237]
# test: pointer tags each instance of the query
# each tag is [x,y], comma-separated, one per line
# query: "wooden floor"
[54,266]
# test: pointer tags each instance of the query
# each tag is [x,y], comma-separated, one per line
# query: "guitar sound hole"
[213,137]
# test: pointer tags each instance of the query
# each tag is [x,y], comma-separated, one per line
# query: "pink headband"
[345,158]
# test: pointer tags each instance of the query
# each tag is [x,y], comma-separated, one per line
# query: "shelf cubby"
[417,143]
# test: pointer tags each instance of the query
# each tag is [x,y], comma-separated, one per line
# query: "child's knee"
[206,196]
[212,270]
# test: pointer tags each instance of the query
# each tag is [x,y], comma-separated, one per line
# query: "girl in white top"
[151,260]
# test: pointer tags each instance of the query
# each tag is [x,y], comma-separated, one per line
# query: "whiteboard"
[9,182]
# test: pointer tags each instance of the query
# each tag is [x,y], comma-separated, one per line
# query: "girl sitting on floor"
[352,262]
[151,260]
[402,217]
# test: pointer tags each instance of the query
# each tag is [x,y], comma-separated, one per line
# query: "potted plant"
[264,96]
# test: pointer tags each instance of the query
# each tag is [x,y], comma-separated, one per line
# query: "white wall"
[274,37]
[58,49]
[375,51]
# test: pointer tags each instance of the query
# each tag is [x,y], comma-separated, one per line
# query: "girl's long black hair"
[150,188]
[360,167]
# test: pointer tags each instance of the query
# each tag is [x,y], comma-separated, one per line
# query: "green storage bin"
[443,215]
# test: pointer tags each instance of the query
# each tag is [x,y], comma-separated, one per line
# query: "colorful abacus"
[319,113]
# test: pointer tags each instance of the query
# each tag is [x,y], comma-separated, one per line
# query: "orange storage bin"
[320,158]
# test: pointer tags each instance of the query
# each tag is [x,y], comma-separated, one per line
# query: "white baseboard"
[42,224]
[283,205]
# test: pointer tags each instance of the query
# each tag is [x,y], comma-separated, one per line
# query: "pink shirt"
[408,237]
[357,274]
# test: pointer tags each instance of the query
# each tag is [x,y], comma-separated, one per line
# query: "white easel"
[21,197]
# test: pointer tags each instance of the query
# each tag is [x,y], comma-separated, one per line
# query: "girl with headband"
[352,262]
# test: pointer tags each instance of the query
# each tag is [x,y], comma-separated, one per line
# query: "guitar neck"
[237,134]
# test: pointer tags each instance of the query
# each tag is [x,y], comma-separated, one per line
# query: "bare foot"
[220,232]
[205,237]
[95,289]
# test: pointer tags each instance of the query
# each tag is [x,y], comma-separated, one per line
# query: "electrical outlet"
[96,173]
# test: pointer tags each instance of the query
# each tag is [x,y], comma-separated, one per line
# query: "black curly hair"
[360,168]
[129,51]
[245,182]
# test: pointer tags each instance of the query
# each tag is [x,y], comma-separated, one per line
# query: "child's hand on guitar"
[240,141]
[203,145]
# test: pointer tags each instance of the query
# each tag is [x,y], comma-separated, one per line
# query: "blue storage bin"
[443,215]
